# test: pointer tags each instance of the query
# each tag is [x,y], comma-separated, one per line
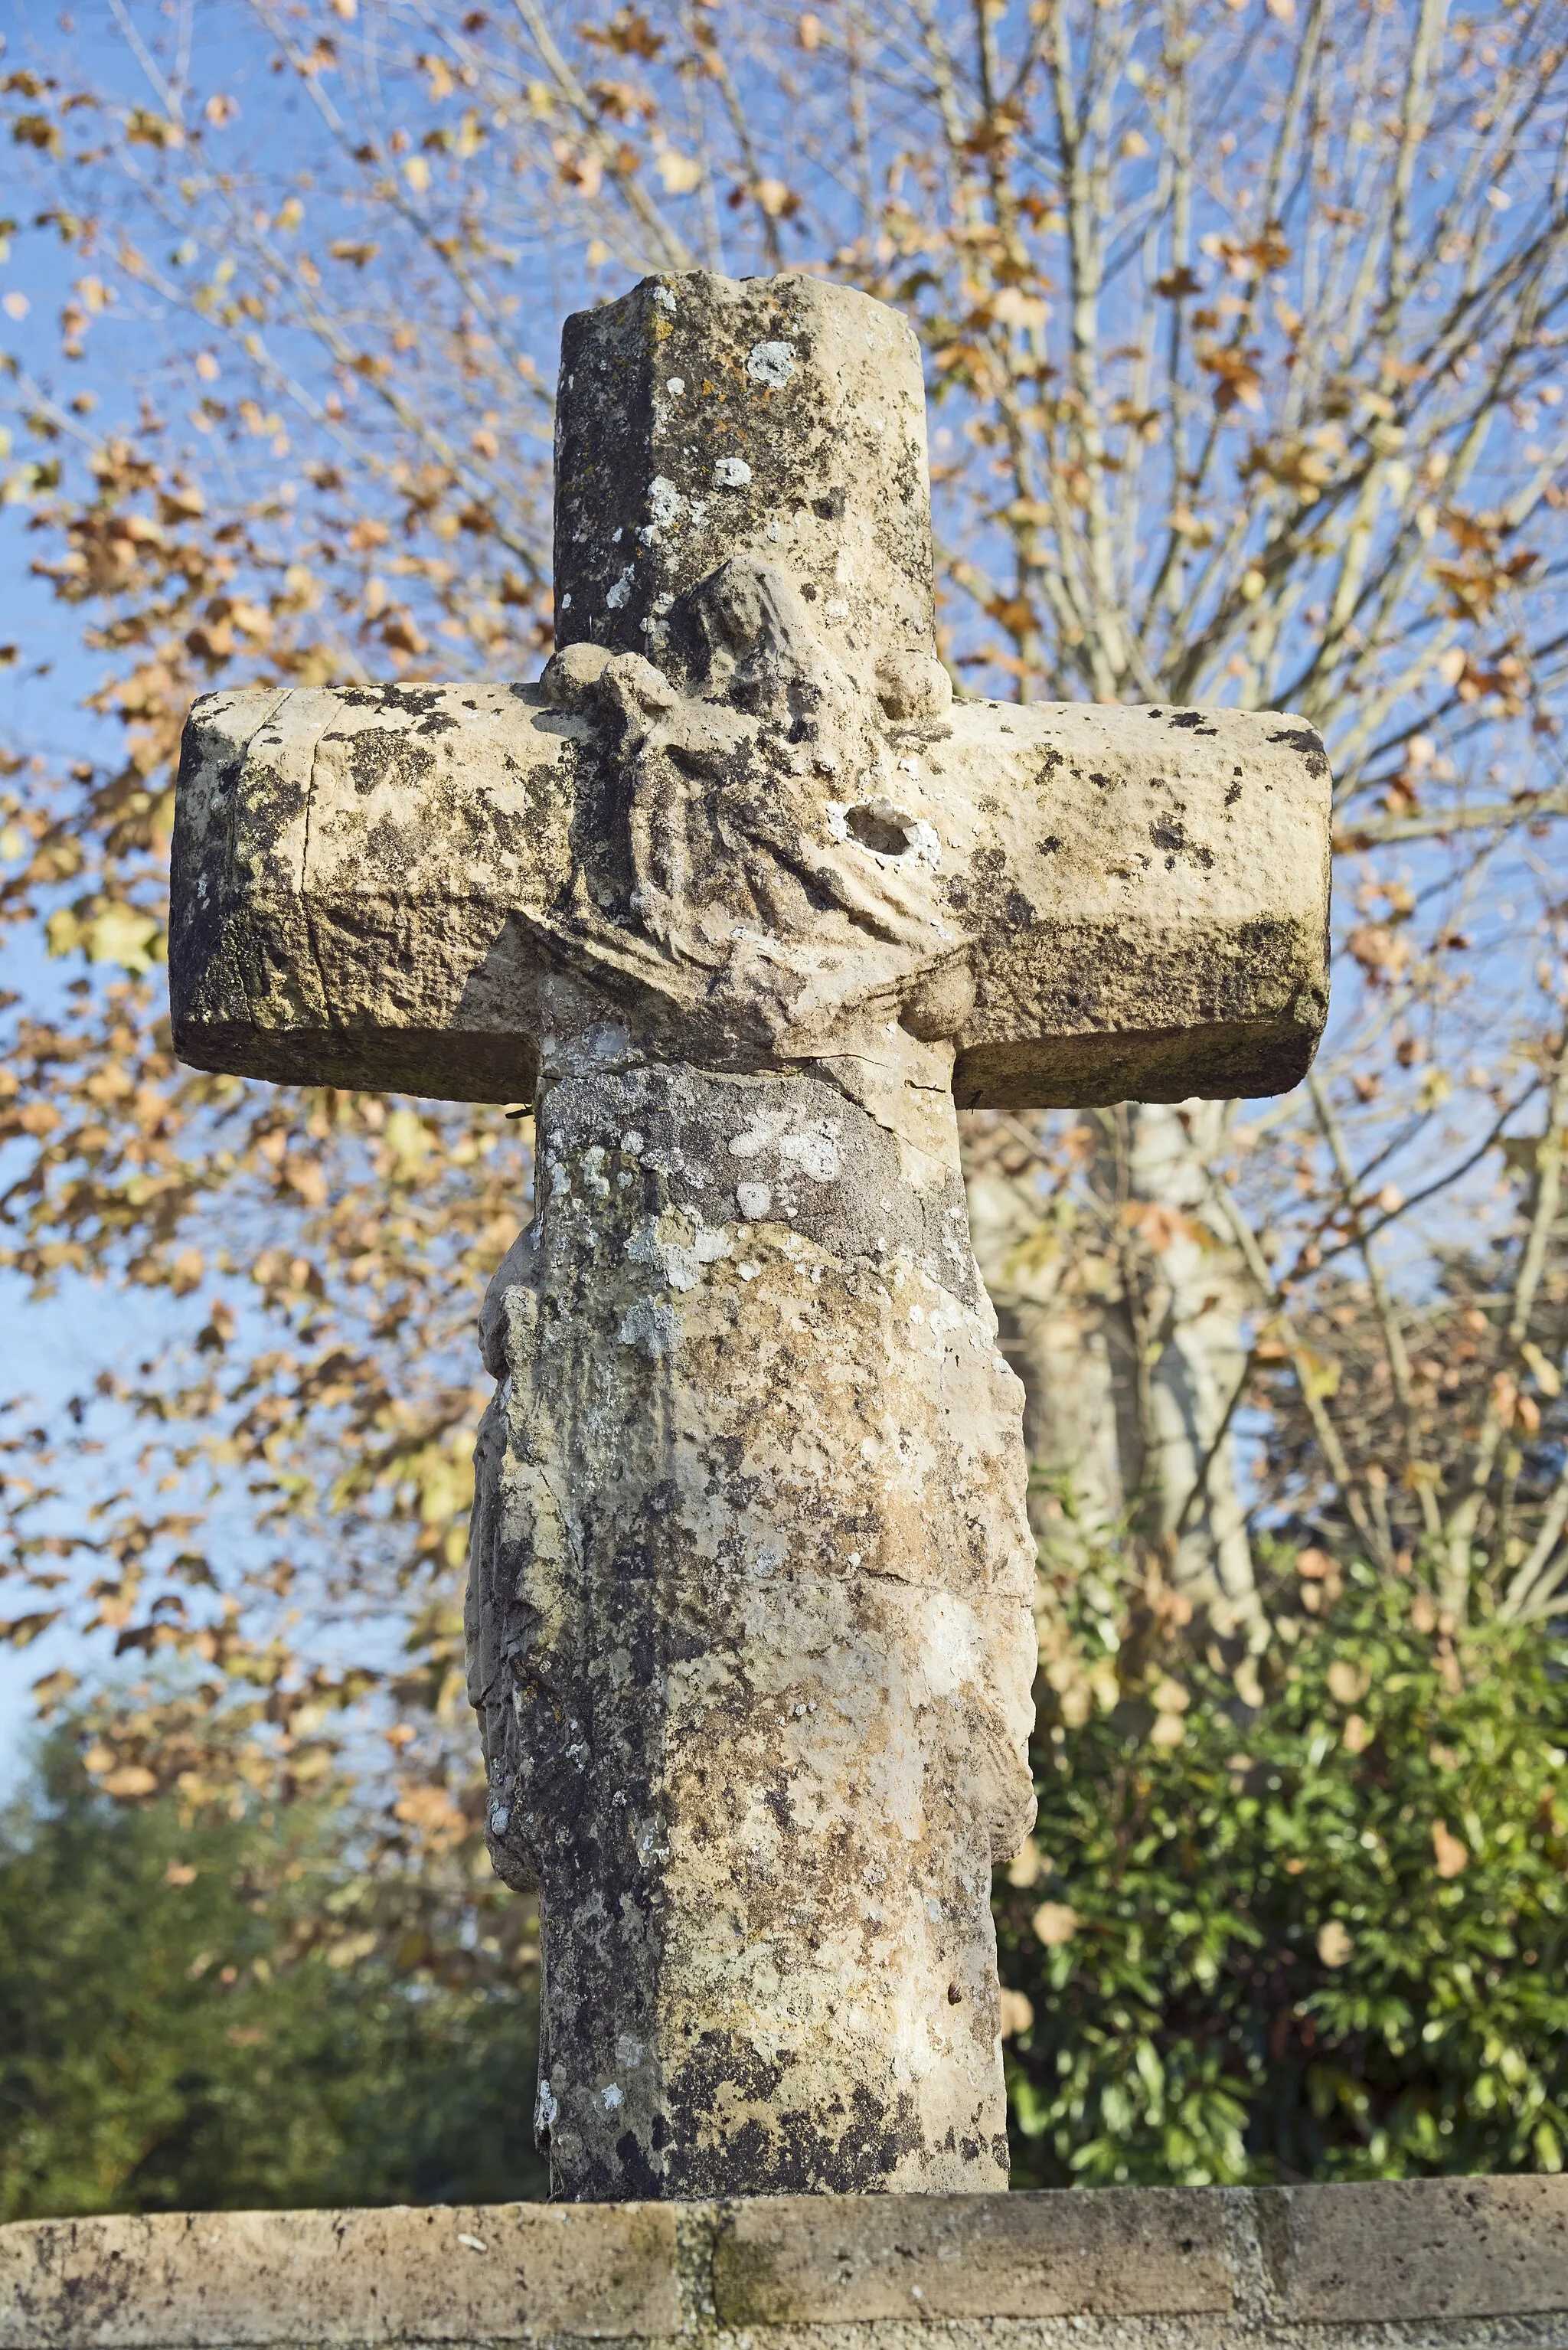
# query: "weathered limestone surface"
[751,1641]
[780,824]
[381,885]
[780,420]
[1440,2264]
[748,903]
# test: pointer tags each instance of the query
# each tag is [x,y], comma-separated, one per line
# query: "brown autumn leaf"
[1160,1227]
[1053,1923]
[1017,2013]
[1449,1854]
[1382,953]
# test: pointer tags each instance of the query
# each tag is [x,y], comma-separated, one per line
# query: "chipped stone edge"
[1478,2230]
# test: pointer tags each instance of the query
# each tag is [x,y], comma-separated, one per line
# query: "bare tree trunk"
[1198,1353]
[1130,1351]
[1064,1346]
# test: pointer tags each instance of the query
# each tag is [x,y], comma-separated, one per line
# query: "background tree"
[201,2012]
[1244,329]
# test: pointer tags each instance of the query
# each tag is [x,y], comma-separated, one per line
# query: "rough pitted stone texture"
[1015,2256]
[450,2275]
[1445,2247]
[377,886]
[751,1641]
[750,902]
[1434,2264]
[352,871]
[779,418]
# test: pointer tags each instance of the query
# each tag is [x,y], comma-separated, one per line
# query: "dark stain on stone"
[988,871]
[925,730]
[1309,742]
[1195,721]
[1171,834]
[376,758]
[869,2151]
[747,2286]
[778,1803]
[909,479]
[1233,794]
[417,700]
[637,2175]
[387,845]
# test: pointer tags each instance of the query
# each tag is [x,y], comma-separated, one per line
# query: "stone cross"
[748,903]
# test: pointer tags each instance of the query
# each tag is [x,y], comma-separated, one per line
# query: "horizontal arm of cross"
[376,888]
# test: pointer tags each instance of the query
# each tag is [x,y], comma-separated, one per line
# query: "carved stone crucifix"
[746,902]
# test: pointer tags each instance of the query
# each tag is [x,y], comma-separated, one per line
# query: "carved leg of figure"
[750,1637]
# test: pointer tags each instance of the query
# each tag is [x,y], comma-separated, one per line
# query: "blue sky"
[54,1349]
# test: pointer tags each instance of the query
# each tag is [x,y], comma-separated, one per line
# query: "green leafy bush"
[193,2016]
[1324,1935]
[1320,1935]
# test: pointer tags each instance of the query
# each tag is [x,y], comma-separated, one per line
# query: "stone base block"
[1438,2264]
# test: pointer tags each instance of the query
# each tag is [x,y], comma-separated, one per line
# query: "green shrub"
[1323,1936]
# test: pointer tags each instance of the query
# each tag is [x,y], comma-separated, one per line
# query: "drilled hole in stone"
[877,826]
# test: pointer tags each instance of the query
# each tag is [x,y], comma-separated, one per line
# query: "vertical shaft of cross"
[750,1590]
[750,1602]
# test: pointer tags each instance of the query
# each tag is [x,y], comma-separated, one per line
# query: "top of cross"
[779,420]
[741,821]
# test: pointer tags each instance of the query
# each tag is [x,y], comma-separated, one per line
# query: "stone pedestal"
[1438,2264]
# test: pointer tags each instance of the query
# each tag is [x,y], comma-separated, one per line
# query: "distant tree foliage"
[1244,323]
[203,2015]
[1324,1937]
